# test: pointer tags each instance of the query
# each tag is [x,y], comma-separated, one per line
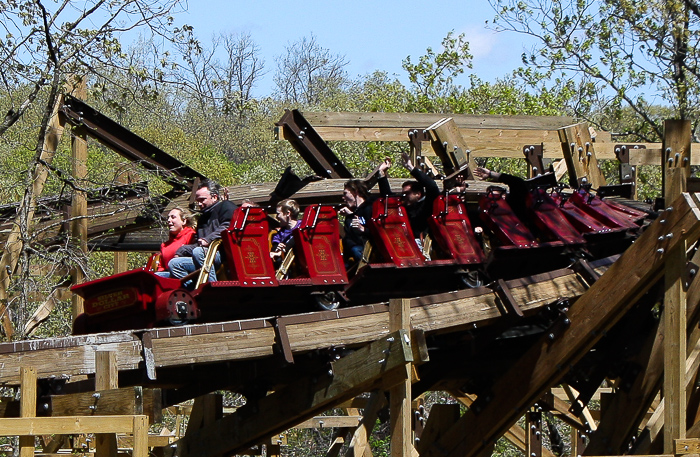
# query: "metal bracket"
[585,271]
[416,137]
[283,339]
[691,271]
[311,147]
[147,352]
[534,156]
[562,321]
[508,306]
[481,401]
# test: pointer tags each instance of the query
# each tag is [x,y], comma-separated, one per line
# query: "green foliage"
[619,52]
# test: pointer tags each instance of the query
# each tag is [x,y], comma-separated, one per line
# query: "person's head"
[248,203]
[178,218]
[287,212]
[411,192]
[208,193]
[355,193]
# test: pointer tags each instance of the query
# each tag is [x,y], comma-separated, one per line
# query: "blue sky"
[372,35]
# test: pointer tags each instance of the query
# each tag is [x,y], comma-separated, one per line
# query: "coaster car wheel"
[326,301]
[471,279]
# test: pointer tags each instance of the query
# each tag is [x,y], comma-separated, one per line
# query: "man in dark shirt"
[417,197]
[216,215]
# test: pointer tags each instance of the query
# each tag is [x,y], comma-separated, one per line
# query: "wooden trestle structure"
[631,321]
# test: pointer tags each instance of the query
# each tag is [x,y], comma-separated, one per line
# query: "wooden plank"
[125,401]
[451,146]
[684,446]
[381,363]
[418,120]
[69,361]
[66,425]
[331,422]
[595,312]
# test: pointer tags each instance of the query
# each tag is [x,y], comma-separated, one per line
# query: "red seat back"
[550,219]
[317,246]
[453,232]
[599,209]
[392,234]
[247,248]
[503,223]
[584,222]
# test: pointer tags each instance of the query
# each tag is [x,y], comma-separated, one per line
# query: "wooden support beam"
[676,154]
[579,154]
[400,394]
[69,425]
[533,433]
[106,377]
[622,285]
[621,419]
[677,136]
[448,144]
[206,410]
[684,446]
[125,401]
[380,364]
[586,416]
[27,407]
[79,221]
[441,418]
[331,422]
[359,444]
[515,434]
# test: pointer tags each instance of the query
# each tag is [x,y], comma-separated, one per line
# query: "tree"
[223,85]
[42,51]
[434,74]
[308,73]
[624,53]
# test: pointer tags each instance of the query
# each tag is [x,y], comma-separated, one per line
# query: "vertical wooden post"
[121,262]
[533,435]
[400,395]
[27,407]
[107,377]
[78,225]
[676,169]
[140,437]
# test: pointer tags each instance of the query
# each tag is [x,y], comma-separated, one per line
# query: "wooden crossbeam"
[18,426]
[381,363]
[125,401]
[594,313]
